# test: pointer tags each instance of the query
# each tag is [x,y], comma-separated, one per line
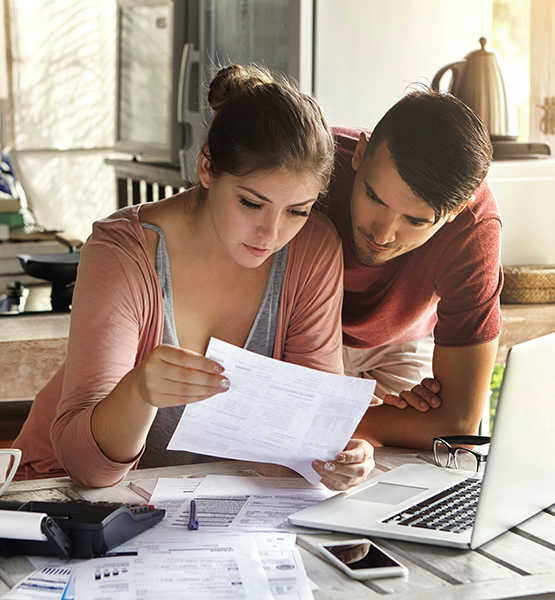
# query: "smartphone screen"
[361,556]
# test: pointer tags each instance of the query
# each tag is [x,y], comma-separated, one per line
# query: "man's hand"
[422,397]
[465,375]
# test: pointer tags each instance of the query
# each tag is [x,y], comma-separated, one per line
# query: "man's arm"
[464,374]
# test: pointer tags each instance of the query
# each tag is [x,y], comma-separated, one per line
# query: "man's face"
[387,218]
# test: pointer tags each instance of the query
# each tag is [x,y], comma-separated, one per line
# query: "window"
[511,37]
[524,34]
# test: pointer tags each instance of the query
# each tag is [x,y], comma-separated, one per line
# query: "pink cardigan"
[117,320]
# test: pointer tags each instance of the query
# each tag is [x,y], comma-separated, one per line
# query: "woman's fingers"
[349,468]
[187,359]
[172,376]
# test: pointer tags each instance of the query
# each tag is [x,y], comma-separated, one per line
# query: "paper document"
[53,581]
[274,412]
[173,563]
[162,564]
[232,502]
[201,567]
[170,494]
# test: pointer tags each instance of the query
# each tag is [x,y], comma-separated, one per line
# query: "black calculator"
[81,529]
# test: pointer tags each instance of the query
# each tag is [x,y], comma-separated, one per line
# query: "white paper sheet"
[106,578]
[274,412]
[252,503]
[178,566]
[171,492]
[50,582]
[281,560]
[233,502]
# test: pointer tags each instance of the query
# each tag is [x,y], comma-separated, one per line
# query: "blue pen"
[193,521]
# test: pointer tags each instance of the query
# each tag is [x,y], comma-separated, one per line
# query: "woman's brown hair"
[263,123]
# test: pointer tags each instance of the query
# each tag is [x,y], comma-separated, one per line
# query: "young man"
[421,240]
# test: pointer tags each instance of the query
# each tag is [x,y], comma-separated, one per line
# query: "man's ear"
[359,151]
[204,168]
[459,210]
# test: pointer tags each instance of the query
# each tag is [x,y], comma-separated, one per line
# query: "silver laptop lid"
[519,480]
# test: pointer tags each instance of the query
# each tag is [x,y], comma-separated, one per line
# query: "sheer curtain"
[63,81]
[542,71]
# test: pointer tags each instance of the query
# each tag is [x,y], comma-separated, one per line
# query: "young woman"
[238,257]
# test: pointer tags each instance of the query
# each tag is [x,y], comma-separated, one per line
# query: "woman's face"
[255,215]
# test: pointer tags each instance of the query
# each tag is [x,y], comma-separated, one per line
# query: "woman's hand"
[169,376]
[172,376]
[422,397]
[349,468]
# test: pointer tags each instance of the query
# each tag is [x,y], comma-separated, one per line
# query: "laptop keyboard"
[452,510]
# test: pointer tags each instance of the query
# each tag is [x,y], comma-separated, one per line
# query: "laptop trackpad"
[387,493]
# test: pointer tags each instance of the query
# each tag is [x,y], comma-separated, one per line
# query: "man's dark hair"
[440,147]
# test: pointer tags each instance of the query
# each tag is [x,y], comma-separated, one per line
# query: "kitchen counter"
[522,322]
[32,348]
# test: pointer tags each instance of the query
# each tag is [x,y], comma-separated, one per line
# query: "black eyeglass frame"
[461,440]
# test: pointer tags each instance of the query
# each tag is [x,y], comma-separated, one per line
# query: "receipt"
[274,412]
[22,525]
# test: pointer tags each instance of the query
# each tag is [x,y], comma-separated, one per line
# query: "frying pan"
[59,267]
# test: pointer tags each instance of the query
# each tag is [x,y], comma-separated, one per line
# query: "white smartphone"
[362,559]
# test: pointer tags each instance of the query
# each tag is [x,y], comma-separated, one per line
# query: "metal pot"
[483,82]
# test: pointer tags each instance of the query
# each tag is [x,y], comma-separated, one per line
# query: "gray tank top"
[261,340]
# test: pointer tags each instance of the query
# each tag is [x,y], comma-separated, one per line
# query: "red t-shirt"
[450,284]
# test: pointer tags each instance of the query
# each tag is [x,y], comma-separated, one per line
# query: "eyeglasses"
[461,457]
[9,461]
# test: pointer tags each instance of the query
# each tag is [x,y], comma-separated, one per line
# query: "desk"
[518,564]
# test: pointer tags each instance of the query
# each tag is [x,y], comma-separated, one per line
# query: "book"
[9,204]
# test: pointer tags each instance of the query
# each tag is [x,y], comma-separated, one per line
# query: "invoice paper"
[183,564]
[274,412]
[52,581]
[231,502]
[199,567]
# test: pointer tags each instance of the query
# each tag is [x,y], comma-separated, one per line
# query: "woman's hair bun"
[235,78]
[263,122]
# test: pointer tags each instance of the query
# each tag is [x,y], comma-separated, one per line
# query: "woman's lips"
[258,252]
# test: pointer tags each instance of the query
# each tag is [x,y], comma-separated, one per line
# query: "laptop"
[517,482]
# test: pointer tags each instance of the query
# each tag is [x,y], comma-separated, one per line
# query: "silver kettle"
[483,82]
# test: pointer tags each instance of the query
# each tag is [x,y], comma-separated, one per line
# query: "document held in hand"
[274,412]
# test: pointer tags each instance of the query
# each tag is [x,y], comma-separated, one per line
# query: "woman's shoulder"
[316,247]
[126,218]
[120,229]
[318,231]
[118,237]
